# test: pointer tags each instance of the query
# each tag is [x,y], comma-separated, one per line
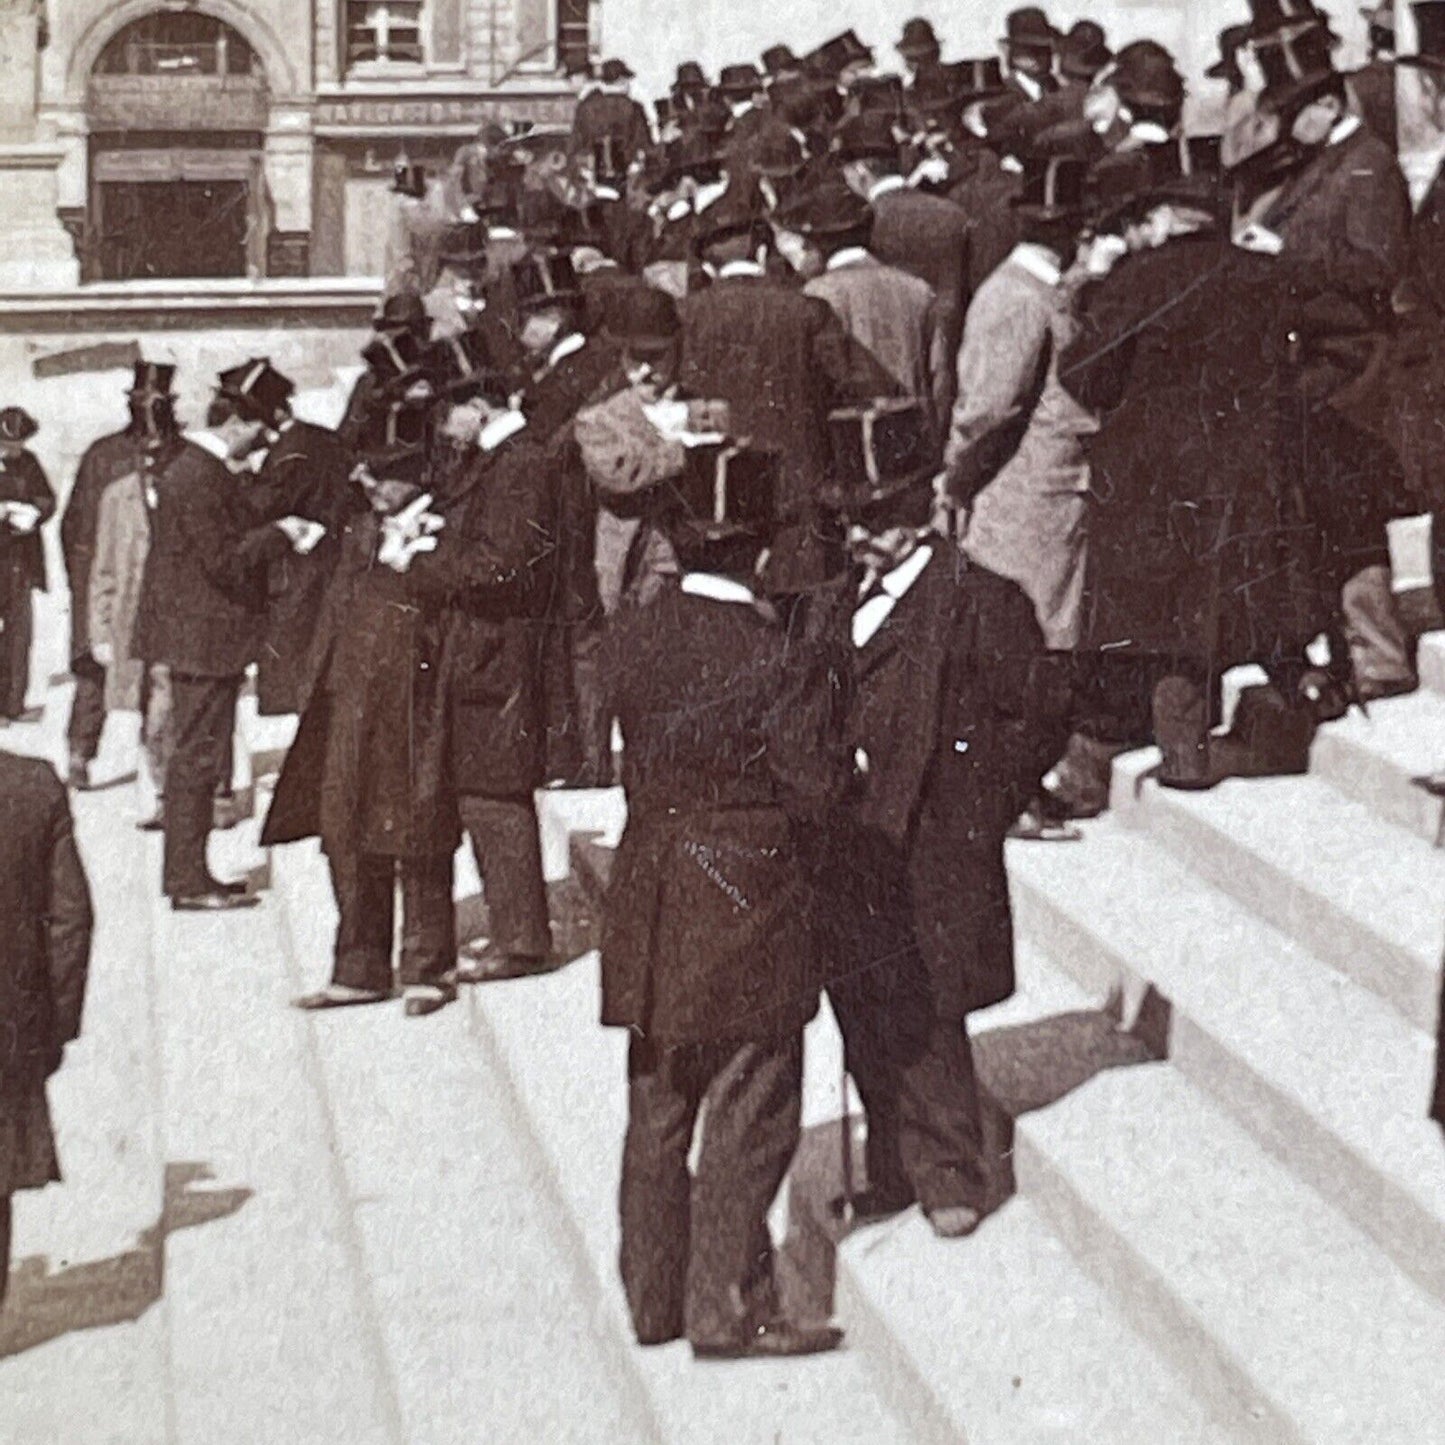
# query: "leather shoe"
[212,901]
[954,1221]
[234,886]
[427,998]
[491,966]
[156,823]
[336,995]
[770,1339]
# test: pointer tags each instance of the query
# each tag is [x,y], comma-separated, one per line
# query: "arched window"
[178,43]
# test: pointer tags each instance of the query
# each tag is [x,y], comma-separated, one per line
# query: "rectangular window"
[383,32]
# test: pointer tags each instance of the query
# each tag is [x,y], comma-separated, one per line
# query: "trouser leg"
[663,1093]
[861,1005]
[749,1136]
[87,709]
[1181,728]
[365,890]
[1379,647]
[157,730]
[942,1116]
[4,1246]
[504,837]
[428,919]
[204,717]
[593,721]
[15,653]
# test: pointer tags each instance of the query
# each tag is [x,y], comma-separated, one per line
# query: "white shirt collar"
[741,107]
[1038,261]
[1148,132]
[883,185]
[1344,128]
[1026,83]
[708,195]
[739,268]
[208,441]
[898,582]
[506,424]
[869,617]
[848,256]
[568,346]
[715,588]
[501,233]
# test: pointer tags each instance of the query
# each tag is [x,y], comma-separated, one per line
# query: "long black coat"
[1198,544]
[44,956]
[959,710]
[22,555]
[931,238]
[306,474]
[203,597]
[368,771]
[733,749]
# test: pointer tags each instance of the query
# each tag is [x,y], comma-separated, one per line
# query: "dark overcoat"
[44,956]
[733,749]
[959,711]
[930,237]
[22,555]
[368,771]
[610,113]
[203,597]
[985,194]
[1198,541]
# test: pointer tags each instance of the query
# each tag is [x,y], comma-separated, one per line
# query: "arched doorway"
[177,106]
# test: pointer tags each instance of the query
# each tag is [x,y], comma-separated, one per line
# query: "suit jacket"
[203,598]
[780,360]
[931,238]
[1372,92]
[605,113]
[892,318]
[122,540]
[22,555]
[985,195]
[959,711]
[733,748]
[45,902]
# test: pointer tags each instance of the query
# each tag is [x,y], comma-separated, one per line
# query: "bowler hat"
[1430,35]
[153,378]
[1052,188]
[409,179]
[641,320]
[689,77]
[613,72]
[779,60]
[868,136]
[461,366]
[543,278]
[1029,29]
[1083,52]
[727,491]
[1144,74]
[918,42]
[259,391]
[776,151]
[17,425]
[829,208]
[878,451]
[401,312]
[735,80]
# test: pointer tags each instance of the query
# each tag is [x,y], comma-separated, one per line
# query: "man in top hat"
[709,951]
[1014,463]
[899,348]
[611,111]
[1428,229]
[1371,88]
[779,360]
[367,773]
[838,62]
[1083,59]
[924,235]
[203,611]
[953,717]
[745,92]
[1134,107]
[26,504]
[402,315]
[1028,46]
[690,86]
[104,461]
[418,222]
[692,178]
[780,65]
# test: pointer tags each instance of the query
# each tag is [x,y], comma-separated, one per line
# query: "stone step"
[1327,1077]
[1380,759]
[478,1291]
[1276,1308]
[1358,893]
[269,1324]
[1432,661]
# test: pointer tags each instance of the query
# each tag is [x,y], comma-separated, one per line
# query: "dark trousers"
[16,628]
[696,1256]
[914,1073]
[4,1245]
[87,708]
[203,719]
[509,858]
[365,888]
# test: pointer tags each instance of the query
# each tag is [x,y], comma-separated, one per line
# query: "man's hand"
[944,517]
[103,653]
[23,517]
[301,533]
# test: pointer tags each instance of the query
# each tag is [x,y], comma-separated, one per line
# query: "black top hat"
[829,208]
[776,152]
[1144,74]
[395,357]
[1271,17]
[609,160]
[1297,66]
[464,245]
[1430,35]
[409,179]
[726,491]
[879,451]
[956,85]
[833,56]
[779,59]
[689,77]
[153,378]
[17,425]
[644,319]
[1083,52]
[545,278]
[1029,29]
[259,391]
[735,80]
[614,71]
[918,42]
[393,442]
[1052,188]
[1128,184]
[405,311]
[881,93]
[461,366]
[868,136]
[1231,38]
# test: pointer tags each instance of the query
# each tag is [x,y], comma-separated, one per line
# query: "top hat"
[1430,35]
[1297,65]
[395,357]
[779,59]
[727,491]
[689,77]
[1231,38]
[639,320]
[1129,184]
[1029,29]
[17,425]
[833,56]
[1144,73]
[544,278]
[1083,52]
[868,136]
[1052,188]
[393,442]
[918,42]
[732,216]
[878,451]
[409,179]
[461,366]
[1271,17]
[614,72]
[734,80]
[829,208]
[259,391]
[403,311]
[153,378]
[464,245]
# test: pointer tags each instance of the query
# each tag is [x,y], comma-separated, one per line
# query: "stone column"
[35,251]
[288,161]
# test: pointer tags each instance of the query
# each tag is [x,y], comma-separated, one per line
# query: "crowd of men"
[879,455]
